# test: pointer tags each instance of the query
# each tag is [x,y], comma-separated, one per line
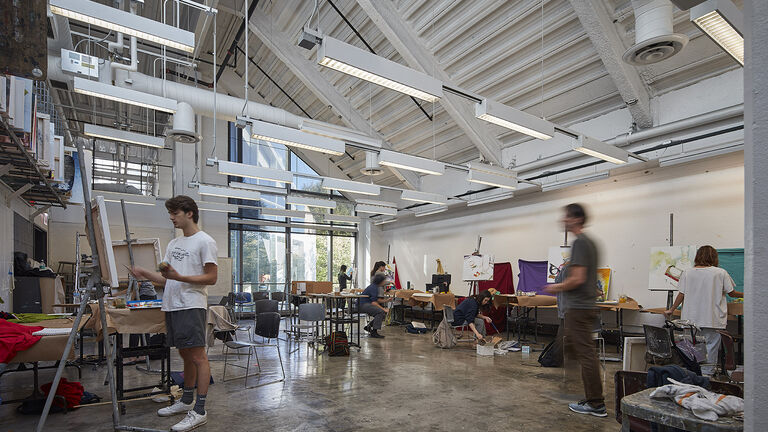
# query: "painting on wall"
[667,264]
[603,282]
[556,259]
[477,267]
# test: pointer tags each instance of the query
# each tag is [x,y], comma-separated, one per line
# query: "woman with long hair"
[379,267]
[470,312]
[702,292]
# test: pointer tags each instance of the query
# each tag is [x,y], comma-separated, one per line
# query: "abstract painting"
[556,258]
[603,282]
[667,264]
[477,267]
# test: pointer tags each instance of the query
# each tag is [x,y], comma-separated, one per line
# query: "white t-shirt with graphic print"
[188,255]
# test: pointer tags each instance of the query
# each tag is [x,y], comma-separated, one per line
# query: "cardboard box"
[311,287]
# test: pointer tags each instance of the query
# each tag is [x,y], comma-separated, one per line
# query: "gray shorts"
[185,328]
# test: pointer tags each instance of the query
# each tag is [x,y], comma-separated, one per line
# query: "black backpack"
[336,344]
[552,356]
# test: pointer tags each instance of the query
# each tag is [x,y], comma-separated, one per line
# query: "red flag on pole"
[397,276]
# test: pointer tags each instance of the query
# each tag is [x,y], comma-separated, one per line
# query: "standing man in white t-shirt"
[703,289]
[189,266]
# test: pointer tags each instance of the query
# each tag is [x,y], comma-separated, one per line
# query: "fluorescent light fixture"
[265,189]
[341,218]
[486,178]
[698,154]
[376,203]
[294,214]
[146,200]
[573,182]
[510,118]
[228,192]
[492,169]
[431,211]
[216,207]
[296,138]
[383,221]
[411,163]
[256,172]
[338,132]
[364,208]
[351,60]
[350,186]
[489,199]
[120,94]
[722,21]
[113,134]
[310,202]
[121,21]
[596,148]
[426,197]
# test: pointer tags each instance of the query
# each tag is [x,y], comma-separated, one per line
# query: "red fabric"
[397,276]
[72,391]
[14,338]
[503,282]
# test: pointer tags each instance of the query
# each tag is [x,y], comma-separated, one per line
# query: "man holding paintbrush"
[189,266]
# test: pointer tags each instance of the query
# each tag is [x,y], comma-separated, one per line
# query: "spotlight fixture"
[296,138]
[351,60]
[113,134]
[121,21]
[516,120]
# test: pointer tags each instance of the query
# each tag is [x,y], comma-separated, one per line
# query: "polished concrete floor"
[400,383]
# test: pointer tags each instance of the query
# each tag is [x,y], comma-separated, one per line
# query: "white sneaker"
[178,408]
[191,421]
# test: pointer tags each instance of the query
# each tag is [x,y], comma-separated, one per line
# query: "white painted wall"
[629,215]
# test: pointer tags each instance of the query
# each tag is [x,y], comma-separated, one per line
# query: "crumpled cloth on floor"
[705,404]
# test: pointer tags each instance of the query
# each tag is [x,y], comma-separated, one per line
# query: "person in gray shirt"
[579,296]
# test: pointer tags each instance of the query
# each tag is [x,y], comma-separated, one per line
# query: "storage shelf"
[24,170]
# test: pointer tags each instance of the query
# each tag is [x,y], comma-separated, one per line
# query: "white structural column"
[384,14]
[756,215]
[283,47]
[606,40]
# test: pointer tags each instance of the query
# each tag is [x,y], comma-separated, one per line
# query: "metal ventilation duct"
[654,37]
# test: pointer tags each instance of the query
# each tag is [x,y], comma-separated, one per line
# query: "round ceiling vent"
[184,125]
[183,136]
[655,49]
[372,167]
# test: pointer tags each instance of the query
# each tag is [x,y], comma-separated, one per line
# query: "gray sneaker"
[583,407]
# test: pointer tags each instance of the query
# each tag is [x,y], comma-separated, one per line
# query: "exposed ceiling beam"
[281,45]
[384,15]
[605,37]
[204,22]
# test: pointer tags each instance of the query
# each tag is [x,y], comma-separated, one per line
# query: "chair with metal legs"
[311,316]
[261,306]
[268,327]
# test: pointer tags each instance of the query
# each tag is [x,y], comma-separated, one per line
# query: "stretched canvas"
[667,264]
[603,282]
[146,254]
[104,242]
[477,267]
[556,259]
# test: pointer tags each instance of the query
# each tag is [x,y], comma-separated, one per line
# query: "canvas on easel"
[103,242]
[146,254]
[477,267]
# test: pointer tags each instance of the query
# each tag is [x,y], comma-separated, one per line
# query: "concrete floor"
[401,383]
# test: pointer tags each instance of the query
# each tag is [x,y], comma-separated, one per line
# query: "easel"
[97,288]
[474,285]
[670,291]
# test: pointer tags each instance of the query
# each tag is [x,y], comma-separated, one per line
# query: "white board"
[223,279]
[666,264]
[557,256]
[477,268]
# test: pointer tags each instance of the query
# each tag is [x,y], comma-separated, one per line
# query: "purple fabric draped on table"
[532,277]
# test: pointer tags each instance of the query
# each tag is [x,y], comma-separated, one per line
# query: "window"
[116,166]
[259,260]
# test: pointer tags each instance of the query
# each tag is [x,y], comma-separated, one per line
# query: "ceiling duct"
[372,167]
[654,37]
[184,125]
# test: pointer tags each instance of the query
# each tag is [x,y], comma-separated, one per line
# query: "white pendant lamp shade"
[351,60]
[411,163]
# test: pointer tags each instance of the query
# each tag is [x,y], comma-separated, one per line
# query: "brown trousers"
[580,347]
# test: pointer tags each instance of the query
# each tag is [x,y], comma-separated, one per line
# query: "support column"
[756,214]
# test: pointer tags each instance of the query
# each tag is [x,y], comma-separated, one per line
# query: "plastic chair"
[268,327]
[313,314]
[262,306]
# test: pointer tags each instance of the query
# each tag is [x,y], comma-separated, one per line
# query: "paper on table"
[52,331]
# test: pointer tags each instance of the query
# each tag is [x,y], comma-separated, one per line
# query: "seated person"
[468,313]
[374,306]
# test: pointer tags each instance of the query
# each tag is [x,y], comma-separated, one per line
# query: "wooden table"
[668,413]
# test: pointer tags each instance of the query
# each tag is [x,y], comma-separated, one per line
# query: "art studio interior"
[338,215]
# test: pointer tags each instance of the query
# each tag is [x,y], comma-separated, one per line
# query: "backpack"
[414,330]
[336,344]
[443,336]
[552,356]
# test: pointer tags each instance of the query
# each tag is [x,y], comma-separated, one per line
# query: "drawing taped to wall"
[556,259]
[667,264]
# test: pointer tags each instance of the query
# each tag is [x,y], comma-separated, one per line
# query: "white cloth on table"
[703,403]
